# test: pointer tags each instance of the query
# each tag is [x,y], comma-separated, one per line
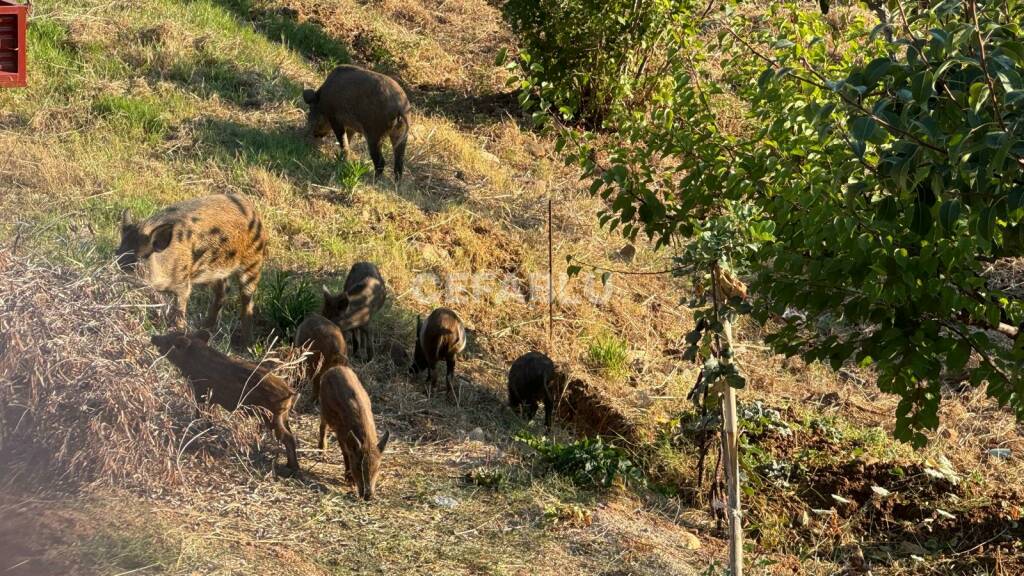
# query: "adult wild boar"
[232,383]
[204,240]
[354,99]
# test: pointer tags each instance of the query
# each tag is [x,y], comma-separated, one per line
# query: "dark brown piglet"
[232,383]
[533,378]
[364,294]
[345,409]
[327,344]
[441,337]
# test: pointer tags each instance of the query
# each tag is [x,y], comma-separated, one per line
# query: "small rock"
[688,541]
[1001,453]
[627,253]
[912,548]
[477,434]
[445,502]
[855,560]
[830,399]
[536,149]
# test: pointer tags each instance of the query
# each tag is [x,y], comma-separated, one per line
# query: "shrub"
[589,462]
[585,58]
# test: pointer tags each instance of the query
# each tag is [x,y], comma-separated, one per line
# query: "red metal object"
[13,20]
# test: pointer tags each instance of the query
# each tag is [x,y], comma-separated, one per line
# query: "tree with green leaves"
[868,174]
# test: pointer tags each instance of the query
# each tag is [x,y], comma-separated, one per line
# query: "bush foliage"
[589,59]
[857,172]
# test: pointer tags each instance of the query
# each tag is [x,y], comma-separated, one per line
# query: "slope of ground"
[135,105]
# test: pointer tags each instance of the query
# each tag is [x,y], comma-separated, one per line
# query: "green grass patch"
[349,173]
[608,354]
[309,39]
[139,115]
[285,299]
[588,462]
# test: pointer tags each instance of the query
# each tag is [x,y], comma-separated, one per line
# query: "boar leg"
[248,280]
[348,457]
[284,434]
[398,141]
[179,308]
[322,444]
[549,408]
[431,378]
[342,135]
[218,287]
[449,378]
[364,342]
[373,143]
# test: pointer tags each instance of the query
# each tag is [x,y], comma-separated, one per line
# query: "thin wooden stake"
[730,439]
[551,282]
[730,444]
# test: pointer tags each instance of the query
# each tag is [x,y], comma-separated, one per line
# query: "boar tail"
[399,128]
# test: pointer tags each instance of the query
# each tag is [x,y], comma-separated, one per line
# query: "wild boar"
[364,294]
[232,382]
[354,99]
[441,337]
[204,240]
[532,379]
[327,344]
[345,409]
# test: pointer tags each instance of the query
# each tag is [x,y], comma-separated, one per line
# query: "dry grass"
[212,91]
[79,392]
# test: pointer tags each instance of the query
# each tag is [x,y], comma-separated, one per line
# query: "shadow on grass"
[470,110]
[281,25]
[207,74]
[282,149]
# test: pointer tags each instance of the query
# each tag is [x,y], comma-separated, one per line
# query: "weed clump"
[588,462]
[608,354]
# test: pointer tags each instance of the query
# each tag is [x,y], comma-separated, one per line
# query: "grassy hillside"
[136,105]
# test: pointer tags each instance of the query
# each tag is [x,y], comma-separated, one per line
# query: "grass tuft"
[133,114]
[608,354]
[285,299]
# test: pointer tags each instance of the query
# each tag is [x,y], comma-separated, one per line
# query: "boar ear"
[182,342]
[162,236]
[342,302]
[310,96]
[383,442]
[203,336]
[355,439]
[126,218]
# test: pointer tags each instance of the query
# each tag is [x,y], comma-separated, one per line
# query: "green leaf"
[865,128]
[978,94]
[949,212]
[957,356]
